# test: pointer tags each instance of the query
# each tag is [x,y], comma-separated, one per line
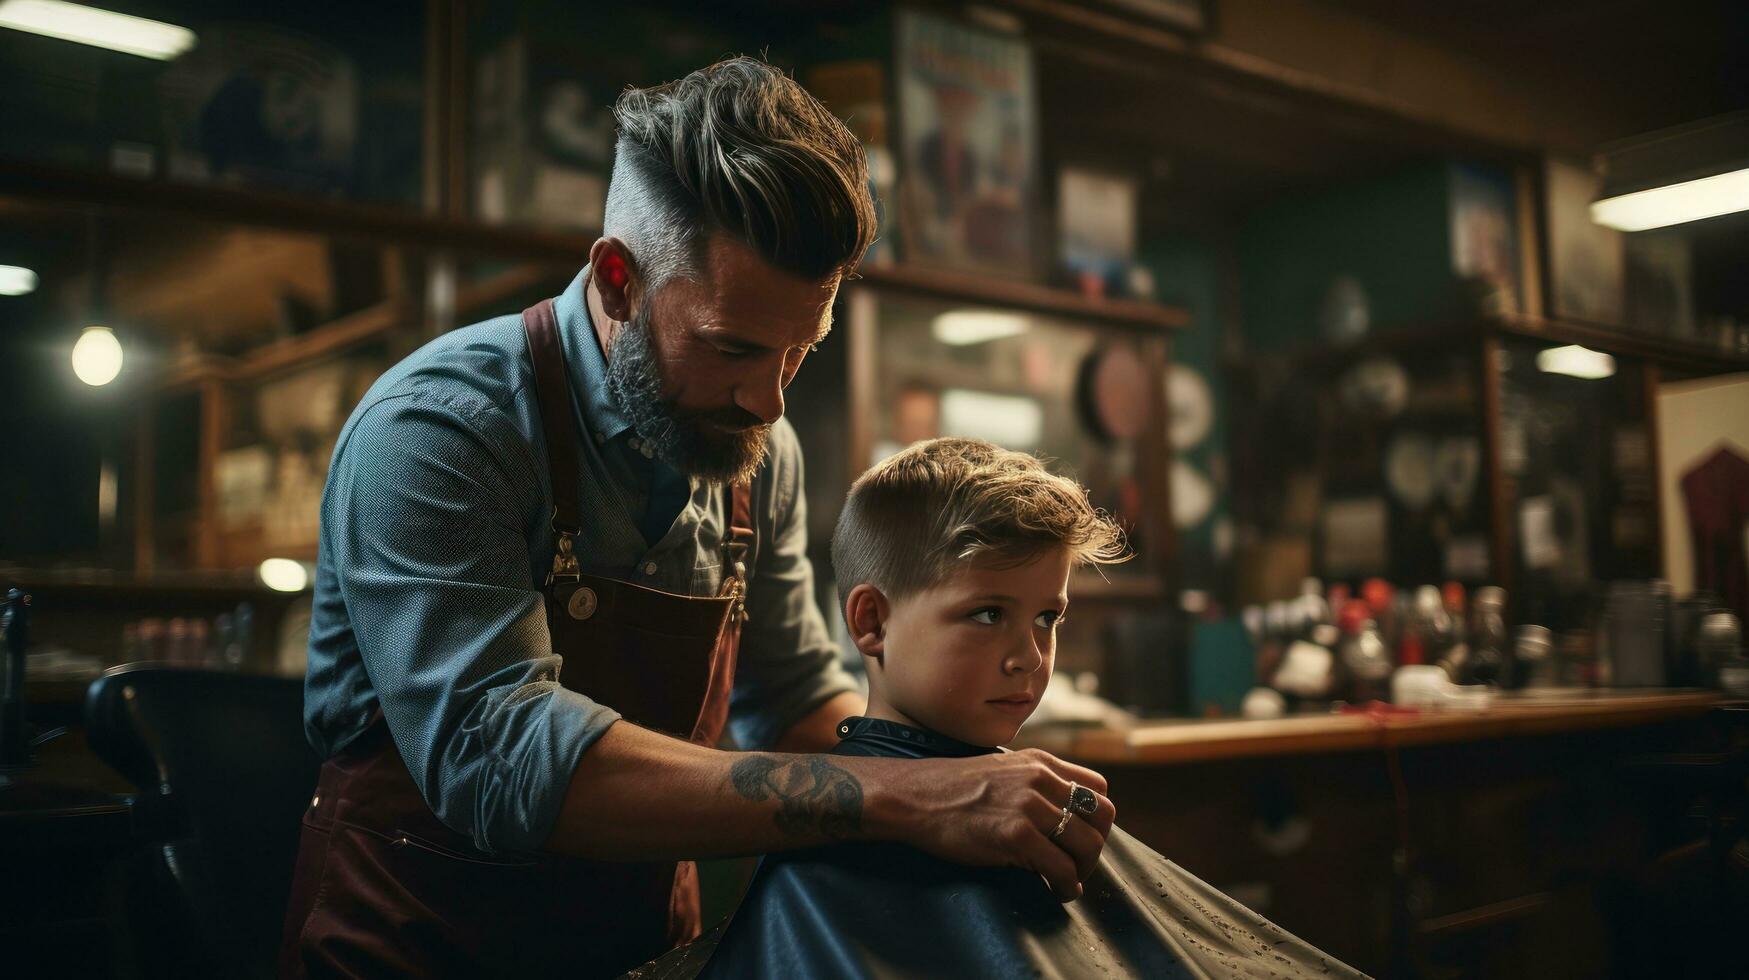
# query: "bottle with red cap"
[1366,661]
[1429,631]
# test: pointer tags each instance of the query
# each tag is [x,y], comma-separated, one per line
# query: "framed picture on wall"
[968,182]
[1585,259]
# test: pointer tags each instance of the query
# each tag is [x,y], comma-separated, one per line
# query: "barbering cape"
[888,910]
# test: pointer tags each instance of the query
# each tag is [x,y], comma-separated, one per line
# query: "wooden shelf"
[32,185]
[108,583]
[1665,351]
[1697,358]
[349,331]
[1018,294]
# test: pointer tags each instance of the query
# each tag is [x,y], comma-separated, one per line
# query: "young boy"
[953,561]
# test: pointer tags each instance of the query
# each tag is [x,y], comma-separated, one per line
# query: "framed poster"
[1585,259]
[968,147]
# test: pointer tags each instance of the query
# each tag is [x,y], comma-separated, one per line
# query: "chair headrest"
[172,730]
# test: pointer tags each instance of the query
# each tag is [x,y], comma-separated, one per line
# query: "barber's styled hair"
[945,503]
[739,149]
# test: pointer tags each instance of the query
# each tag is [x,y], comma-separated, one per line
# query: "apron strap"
[741,516]
[553,392]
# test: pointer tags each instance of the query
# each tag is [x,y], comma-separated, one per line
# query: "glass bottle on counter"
[1630,637]
[1534,654]
[1430,631]
[1307,668]
[1380,598]
[1720,645]
[1364,657]
[1490,661]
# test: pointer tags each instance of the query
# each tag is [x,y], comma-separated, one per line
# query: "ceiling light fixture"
[1685,173]
[16,280]
[1577,362]
[1674,204]
[100,28]
[284,575]
[97,356]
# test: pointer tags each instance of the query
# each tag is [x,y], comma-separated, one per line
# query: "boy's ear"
[865,612]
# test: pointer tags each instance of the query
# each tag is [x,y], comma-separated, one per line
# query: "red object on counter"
[1411,650]
[1453,595]
[1352,615]
[1378,594]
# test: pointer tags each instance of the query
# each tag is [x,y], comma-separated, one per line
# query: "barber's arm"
[639,795]
[428,536]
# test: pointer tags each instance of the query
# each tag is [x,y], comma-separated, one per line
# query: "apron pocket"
[401,839]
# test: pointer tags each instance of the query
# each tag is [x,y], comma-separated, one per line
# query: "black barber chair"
[224,774]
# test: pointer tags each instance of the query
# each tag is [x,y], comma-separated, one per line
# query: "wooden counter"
[1168,742]
[1542,837]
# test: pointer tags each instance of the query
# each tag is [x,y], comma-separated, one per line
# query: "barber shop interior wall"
[1695,419]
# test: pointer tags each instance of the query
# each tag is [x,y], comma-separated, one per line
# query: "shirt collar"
[586,364]
[905,740]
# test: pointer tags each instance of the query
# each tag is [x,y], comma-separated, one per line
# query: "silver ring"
[1068,810]
[1083,800]
[1062,824]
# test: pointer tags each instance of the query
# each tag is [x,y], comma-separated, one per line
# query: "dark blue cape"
[889,910]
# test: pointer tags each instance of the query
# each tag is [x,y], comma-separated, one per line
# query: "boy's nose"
[1026,659]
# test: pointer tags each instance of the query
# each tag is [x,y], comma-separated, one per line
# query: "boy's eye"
[1049,619]
[989,615]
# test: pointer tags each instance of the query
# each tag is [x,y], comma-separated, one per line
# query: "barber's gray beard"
[634,379]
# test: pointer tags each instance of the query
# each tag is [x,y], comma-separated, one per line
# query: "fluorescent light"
[16,280]
[284,575]
[962,328]
[1690,200]
[102,28]
[1576,361]
[97,356]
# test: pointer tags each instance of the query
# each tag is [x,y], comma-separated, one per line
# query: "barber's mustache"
[732,419]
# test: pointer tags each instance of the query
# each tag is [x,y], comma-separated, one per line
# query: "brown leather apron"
[383,888]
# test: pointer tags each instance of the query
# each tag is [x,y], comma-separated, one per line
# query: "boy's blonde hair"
[941,504]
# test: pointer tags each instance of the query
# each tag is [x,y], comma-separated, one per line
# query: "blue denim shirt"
[436,538]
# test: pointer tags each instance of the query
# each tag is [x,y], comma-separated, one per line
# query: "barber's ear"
[865,612]
[612,269]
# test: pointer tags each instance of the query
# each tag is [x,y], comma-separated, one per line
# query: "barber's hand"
[1001,809]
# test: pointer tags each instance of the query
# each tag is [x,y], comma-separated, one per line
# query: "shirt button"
[649,568]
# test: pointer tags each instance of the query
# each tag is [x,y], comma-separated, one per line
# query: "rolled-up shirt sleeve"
[429,543]
[788,665]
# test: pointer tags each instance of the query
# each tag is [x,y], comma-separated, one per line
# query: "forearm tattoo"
[813,795]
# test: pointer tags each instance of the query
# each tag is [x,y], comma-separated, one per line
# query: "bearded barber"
[561,551]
